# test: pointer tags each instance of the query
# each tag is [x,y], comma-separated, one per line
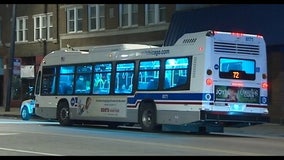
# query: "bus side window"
[97,83]
[142,83]
[45,86]
[61,89]
[181,80]
[101,83]
[80,84]
[153,84]
[167,84]
[124,82]
[67,83]
[64,88]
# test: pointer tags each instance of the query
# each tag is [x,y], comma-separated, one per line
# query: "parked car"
[27,109]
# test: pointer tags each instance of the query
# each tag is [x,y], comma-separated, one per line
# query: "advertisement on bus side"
[99,106]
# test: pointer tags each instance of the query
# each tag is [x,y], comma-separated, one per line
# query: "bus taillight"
[237,34]
[264,85]
[209,81]
[259,36]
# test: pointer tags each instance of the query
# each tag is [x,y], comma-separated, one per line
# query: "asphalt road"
[267,129]
[38,137]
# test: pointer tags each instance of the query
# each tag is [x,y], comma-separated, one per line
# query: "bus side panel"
[131,117]
[45,108]
[177,117]
[46,112]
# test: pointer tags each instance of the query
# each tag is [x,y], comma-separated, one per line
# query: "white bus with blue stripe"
[206,81]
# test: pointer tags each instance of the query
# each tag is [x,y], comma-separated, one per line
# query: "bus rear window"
[231,68]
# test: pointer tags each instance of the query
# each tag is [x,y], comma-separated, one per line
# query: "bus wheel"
[25,113]
[63,114]
[148,118]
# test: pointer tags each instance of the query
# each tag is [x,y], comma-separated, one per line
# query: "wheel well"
[24,106]
[143,104]
[64,101]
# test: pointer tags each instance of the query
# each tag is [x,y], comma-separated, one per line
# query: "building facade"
[42,28]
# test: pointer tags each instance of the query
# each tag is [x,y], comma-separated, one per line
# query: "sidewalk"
[14,111]
[267,129]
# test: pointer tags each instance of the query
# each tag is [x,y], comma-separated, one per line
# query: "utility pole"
[11,58]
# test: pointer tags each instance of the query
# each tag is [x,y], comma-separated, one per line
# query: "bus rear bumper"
[234,117]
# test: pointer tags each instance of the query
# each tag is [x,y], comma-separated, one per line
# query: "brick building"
[42,28]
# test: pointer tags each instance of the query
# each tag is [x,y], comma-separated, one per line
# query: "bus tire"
[63,114]
[148,118]
[25,114]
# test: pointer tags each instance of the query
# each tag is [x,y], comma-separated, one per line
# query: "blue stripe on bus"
[171,96]
[177,98]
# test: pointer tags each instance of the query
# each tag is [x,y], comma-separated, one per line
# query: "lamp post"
[11,58]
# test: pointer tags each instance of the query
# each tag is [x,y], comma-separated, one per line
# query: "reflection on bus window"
[148,78]
[66,79]
[176,72]
[81,85]
[102,76]
[83,79]
[65,84]
[48,81]
[124,78]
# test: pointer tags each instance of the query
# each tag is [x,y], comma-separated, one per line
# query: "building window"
[96,17]
[128,15]
[155,13]
[21,29]
[43,26]
[74,20]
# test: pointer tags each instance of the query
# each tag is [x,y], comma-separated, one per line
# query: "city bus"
[206,81]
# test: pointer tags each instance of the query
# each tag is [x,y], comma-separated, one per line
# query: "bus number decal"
[236,75]
[250,39]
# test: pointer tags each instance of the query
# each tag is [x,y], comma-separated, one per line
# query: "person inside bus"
[232,94]
[98,83]
[80,84]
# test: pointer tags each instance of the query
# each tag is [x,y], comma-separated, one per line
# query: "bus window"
[153,84]
[37,86]
[102,76]
[124,78]
[83,82]
[66,79]
[237,69]
[65,84]
[48,81]
[148,78]
[176,72]
[80,85]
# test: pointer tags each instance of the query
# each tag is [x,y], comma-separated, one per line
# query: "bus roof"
[119,47]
